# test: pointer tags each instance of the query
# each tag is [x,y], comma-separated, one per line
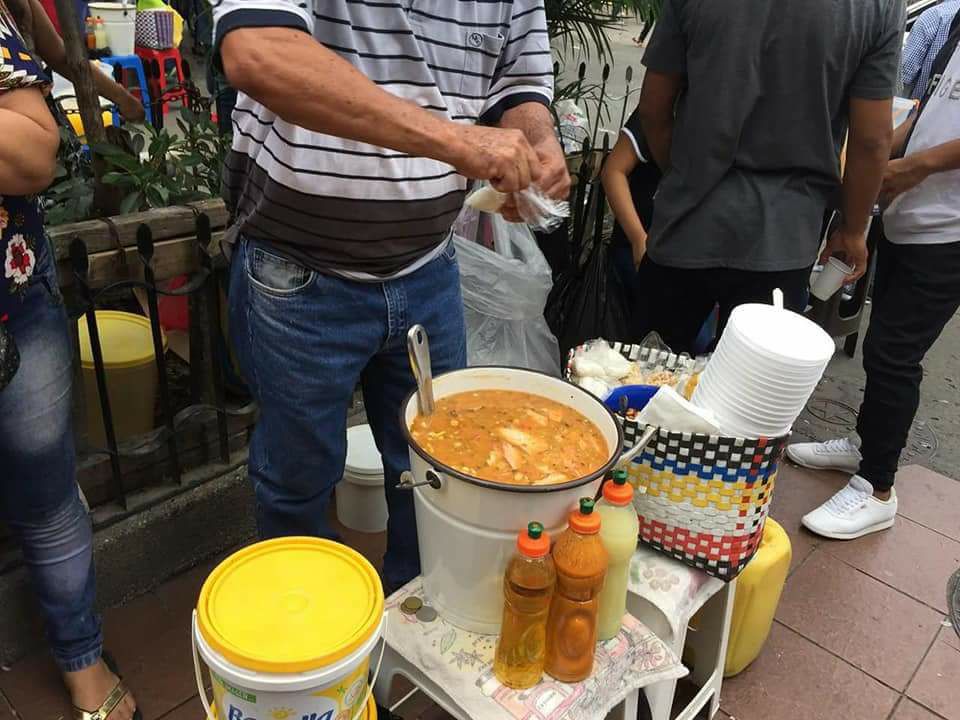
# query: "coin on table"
[426,614]
[411,605]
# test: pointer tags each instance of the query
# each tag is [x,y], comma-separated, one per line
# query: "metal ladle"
[418,348]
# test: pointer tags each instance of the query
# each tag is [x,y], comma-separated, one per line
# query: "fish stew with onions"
[511,437]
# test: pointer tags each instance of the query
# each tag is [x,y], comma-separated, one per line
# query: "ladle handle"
[418,348]
[644,440]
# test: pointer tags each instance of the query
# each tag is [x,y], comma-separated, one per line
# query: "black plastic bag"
[588,300]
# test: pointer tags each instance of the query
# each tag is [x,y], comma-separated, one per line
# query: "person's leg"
[302,340]
[429,297]
[674,302]
[914,297]
[745,286]
[39,496]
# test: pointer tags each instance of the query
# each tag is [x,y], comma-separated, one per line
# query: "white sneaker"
[853,512]
[841,454]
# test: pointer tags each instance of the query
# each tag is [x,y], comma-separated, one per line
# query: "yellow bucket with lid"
[286,628]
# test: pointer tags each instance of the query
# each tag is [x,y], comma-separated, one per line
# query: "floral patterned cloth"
[676,589]
[21,218]
[461,663]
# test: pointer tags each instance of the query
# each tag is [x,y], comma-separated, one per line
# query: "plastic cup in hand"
[832,278]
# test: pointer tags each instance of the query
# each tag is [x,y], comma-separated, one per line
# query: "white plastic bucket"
[240,694]
[120,23]
[286,628]
[361,503]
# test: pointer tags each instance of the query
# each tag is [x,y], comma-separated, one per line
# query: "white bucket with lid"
[286,628]
[120,24]
[361,503]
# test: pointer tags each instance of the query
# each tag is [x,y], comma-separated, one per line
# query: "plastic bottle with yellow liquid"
[619,529]
[581,562]
[528,586]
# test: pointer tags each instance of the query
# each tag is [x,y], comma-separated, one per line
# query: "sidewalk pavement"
[860,632]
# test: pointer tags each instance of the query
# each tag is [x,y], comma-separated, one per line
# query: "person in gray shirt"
[745,105]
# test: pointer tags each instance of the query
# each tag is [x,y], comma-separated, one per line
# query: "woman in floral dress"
[39,497]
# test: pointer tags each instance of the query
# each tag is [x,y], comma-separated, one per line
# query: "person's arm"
[266,59]
[522,89]
[869,140]
[615,177]
[900,135]
[51,50]
[917,47]
[868,151]
[28,142]
[666,63]
[658,98]
[908,172]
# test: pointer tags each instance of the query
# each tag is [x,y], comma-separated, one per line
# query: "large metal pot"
[467,527]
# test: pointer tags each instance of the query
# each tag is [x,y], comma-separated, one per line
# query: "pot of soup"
[502,447]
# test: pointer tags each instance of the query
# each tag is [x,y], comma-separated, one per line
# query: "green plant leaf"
[131,203]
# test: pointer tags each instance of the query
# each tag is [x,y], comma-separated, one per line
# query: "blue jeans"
[39,498]
[304,340]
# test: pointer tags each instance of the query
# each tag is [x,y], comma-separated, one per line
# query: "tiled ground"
[859,633]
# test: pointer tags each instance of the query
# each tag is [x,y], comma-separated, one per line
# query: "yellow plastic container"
[286,628]
[131,371]
[758,594]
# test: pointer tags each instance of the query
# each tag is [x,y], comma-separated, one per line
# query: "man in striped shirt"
[355,129]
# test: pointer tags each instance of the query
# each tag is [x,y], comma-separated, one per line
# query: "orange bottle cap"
[534,542]
[617,491]
[584,520]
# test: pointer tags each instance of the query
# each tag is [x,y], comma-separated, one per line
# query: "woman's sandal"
[114,697]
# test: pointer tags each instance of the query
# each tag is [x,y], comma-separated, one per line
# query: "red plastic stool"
[155,62]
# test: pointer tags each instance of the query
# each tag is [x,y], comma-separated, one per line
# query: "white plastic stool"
[664,595]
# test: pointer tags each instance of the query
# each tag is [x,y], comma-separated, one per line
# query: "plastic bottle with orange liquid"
[527,590]
[581,562]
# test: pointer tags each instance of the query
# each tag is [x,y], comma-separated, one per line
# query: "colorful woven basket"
[702,499]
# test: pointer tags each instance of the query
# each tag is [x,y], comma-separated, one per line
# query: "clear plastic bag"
[504,291]
[540,212]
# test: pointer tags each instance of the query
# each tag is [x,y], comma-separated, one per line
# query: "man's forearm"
[534,120]
[941,158]
[861,183]
[311,86]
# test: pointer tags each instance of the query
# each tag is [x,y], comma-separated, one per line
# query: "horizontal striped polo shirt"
[358,210]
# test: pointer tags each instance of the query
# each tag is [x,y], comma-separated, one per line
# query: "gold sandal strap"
[118,693]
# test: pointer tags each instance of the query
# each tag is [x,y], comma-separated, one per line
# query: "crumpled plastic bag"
[574,125]
[540,212]
[504,291]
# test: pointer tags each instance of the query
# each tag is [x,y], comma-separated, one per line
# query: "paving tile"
[797,492]
[150,637]
[850,614]
[34,689]
[909,710]
[793,679]
[908,556]
[930,499]
[936,685]
[949,636]
[436,713]
[192,709]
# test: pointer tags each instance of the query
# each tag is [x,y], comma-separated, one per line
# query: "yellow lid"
[290,605]
[125,338]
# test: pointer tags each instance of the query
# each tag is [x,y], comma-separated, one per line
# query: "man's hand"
[554,178]
[851,246]
[502,156]
[900,176]
[130,108]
